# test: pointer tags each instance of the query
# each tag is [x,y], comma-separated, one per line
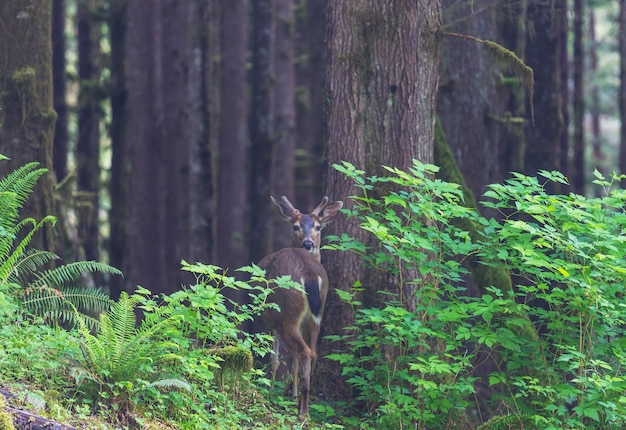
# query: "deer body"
[297,323]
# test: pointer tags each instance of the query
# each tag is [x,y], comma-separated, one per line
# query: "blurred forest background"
[167,124]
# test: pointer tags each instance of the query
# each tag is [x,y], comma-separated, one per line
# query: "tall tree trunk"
[261,145]
[622,87]
[596,143]
[59,85]
[542,55]
[310,102]
[232,175]
[512,35]
[577,174]
[120,158]
[564,163]
[27,117]
[284,115]
[382,83]
[162,58]
[470,104]
[88,142]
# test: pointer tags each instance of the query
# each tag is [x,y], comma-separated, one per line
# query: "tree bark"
[542,55]
[59,84]
[577,175]
[163,57]
[120,157]
[382,82]
[232,176]
[88,141]
[27,117]
[622,86]
[284,116]
[261,142]
[470,102]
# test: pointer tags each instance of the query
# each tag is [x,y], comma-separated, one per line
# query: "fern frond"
[508,59]
[29,263]
[57,305]
[22,181]
[70,272]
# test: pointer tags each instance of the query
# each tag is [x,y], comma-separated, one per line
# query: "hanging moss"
[24,86]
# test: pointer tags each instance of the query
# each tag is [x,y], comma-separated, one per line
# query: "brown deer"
[297,323]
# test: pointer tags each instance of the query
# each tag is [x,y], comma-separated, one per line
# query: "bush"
[413,361]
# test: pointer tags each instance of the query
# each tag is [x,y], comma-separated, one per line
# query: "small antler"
[319,207]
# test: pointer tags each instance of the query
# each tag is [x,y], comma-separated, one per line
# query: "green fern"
[44,293]
[116,352]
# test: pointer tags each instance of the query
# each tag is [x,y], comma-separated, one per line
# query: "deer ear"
[330,212]
[286,209]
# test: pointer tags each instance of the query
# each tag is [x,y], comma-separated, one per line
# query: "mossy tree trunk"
[471,102]
[27,117]
[382,83]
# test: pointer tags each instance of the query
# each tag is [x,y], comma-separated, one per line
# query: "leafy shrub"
[413,361]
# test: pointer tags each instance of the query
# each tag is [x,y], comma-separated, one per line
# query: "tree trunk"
[284,116]
[120,157]
[162,56]
[577,175]
[542,55]
[597,155]
[382,84]
[59,84]
[232,175]
[26,115]
[261,145]
[470,103]
[88,141]
[622,87]
[310,103]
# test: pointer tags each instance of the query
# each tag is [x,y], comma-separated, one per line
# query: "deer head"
[297,323]
[307,228]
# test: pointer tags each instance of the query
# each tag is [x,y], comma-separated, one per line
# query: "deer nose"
[307,244]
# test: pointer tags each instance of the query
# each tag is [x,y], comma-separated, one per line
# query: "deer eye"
[296,228]
[318,227]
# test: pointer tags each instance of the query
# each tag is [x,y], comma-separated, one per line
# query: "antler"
[319,207]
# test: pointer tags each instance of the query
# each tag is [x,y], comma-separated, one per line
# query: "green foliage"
[46,293]
[113,361]
[412,360]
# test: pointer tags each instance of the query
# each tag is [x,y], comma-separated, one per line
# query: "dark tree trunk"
[232,176]
[381,111]
[470,104]
[577,174]
[284,117]
[88,142]
[622,87]
[512,35]
[163,55]
[564,163]
[27,117]
[261,145]
[310,103]
[542,55]
[120,161]
[59,84]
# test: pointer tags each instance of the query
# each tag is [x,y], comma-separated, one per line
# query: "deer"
[296,324]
